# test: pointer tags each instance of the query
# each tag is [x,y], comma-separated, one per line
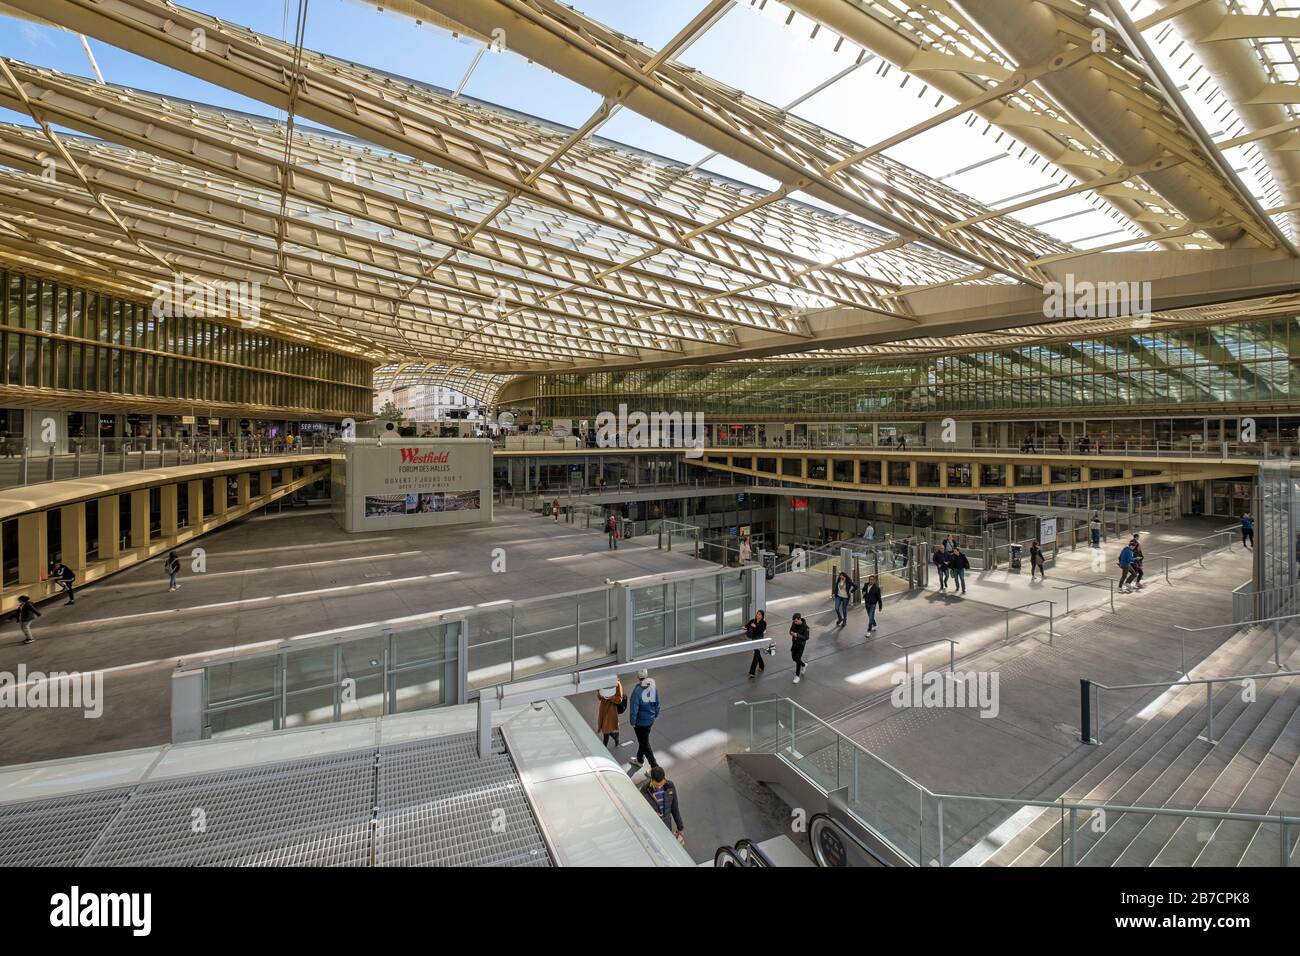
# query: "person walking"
[24,614]
[64,576]
[958,565]
[1125,567]
[873,598]
[870,533]
[661,793]
[1036,561]
[746,551]
[611,530]
[644,711]
[612,703]
[842,593]
[1060,443]
[555,509]
[1248,531]
[1136,580]
[1094,526]
[798,641]
[940,559]
[755,628]
[173,567]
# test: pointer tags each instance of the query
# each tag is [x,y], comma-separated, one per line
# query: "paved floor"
[273,578]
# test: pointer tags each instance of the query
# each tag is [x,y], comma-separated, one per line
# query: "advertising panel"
[414,482]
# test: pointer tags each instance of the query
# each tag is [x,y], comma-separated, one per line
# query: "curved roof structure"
[429,231]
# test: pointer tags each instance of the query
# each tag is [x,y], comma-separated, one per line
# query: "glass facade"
[60,338]
[1244,362]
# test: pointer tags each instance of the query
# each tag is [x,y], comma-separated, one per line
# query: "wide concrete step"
[1178,776]
[1145,744]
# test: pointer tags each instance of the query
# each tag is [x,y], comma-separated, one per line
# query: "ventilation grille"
[425,803]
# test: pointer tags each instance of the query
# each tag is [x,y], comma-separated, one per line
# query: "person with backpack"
[798,641]
[173,567]
[1125,567]
[755,628]
[64,576]
[958,565]
[24,614]
[873,598]
[940,559]
[1036,563]
[611,529]
[1094,526]
[612,703]
[661,794]
[843,590]
[1247,531]
[645,710]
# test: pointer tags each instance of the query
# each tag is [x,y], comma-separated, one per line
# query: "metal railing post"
[1209,711]
[1074,825]
[1085,710]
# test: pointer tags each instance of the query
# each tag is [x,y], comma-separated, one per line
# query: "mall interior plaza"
[768,433]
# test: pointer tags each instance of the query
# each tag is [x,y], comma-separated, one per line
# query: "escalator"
[744,853]
[833,845]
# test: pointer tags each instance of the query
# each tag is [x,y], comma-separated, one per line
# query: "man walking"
[1036,562]
[173,568]
[64,576]
[644,710]
[661,794]
[940,559]
[1125,567]
[24,615]
[798,640]
[1136,567]
[611,530]
[958,565]
[873,598]
[1094,526]
[1248,531]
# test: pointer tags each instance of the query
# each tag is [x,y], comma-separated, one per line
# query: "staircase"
[1155,754]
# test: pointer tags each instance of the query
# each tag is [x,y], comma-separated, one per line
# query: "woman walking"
[842,592]
[1036,561]
[612,703]
[754,630]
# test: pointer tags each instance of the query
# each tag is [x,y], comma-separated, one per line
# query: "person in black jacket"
[798,640]
[755,628]
[1036,561]
[24,615]
[873,598]
[64,576]
[958,565]
[661,793]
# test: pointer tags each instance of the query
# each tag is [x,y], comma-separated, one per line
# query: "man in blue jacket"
[1125,567]
[643,710]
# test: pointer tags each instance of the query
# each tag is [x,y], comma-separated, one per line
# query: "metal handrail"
[1074,807]
[1277,633]
[1110,582]
[906,649]
[1209,682]
[1051,618]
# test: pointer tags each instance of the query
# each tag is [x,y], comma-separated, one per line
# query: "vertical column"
[976,474]
[72,534]
[110,531]
[911,474]
[286,475]
[264,483]
[244,492]
[194,493]
[140,518]
[943,474]
[220,495]
[33,547]
[168,510]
